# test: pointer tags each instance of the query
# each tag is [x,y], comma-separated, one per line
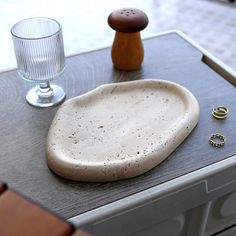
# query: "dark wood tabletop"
[24,128]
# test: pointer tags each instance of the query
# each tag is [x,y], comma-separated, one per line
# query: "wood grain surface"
[24,128]
[18,216]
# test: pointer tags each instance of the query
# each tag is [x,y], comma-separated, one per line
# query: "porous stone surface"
[120,130]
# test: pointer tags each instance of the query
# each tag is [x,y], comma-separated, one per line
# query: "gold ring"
[213,140]
[220,112]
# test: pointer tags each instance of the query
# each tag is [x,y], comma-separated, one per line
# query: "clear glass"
[40,57]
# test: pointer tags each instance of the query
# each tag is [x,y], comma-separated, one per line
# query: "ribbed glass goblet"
[40,57]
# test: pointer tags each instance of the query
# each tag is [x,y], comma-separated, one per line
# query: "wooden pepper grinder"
[127,50]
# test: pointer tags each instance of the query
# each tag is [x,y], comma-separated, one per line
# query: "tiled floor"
[211,23]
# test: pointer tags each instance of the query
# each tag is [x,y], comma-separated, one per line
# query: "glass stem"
[44,90]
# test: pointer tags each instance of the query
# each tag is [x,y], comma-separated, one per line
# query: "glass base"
[57,95]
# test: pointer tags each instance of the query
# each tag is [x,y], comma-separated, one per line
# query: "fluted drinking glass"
[39,50]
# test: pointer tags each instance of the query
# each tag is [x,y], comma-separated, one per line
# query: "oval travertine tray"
[120,130]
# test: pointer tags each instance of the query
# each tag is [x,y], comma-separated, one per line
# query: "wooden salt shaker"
[127,50]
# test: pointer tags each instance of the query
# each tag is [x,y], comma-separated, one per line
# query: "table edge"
[153,194]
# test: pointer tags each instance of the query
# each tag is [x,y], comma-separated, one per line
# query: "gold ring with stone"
[220,112]
[217,140]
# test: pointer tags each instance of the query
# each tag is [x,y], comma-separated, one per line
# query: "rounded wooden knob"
[127,49]
[128,20]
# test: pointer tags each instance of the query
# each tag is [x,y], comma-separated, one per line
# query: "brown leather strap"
[19,216]
[81,232]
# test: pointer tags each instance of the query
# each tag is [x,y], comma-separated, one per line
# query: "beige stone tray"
[120,130]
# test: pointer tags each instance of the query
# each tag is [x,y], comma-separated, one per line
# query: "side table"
[193,192]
